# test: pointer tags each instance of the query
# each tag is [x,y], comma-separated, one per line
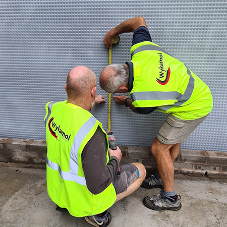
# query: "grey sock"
[169,194]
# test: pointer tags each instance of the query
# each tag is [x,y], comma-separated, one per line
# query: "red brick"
[183,165]
[224,168]
[139,152]
[128,160]
[208,168]
[149,162]
[198,156]
[219,158]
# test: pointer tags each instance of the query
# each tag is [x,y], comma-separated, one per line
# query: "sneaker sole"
[95,224]
[90,222]
[150,206]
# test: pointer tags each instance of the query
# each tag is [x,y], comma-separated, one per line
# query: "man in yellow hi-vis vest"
[83,174]
[156,80]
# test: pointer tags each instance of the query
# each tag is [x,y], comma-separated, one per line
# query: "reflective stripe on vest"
[49,111]
[154,95]
[186,96]
[84,130]
[148,47]
[66,175]
[72,175]
[159,95]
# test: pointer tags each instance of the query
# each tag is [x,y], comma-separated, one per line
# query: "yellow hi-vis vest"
[162,81]
[68,129]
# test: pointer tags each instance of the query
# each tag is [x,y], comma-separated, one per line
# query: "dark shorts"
[128,174]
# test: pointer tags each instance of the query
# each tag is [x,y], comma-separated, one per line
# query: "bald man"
[82,172]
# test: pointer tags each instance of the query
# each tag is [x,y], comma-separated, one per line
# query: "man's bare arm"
[129,25]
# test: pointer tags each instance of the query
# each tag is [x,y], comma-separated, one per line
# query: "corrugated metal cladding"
[40,41]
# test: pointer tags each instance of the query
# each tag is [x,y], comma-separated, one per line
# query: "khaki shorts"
[128,174]
[175,130]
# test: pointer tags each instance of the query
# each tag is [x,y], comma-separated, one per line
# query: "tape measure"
[109,111]
[116,41]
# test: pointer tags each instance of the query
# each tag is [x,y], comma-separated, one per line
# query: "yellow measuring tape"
[115,41]
[109,112]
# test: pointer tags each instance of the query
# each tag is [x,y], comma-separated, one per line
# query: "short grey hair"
[117,76]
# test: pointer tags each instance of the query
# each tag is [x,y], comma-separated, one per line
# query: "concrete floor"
[24,203]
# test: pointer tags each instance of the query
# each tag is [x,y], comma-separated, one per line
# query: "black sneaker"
[153,181]
[160,202]
[61,209]
[97,221]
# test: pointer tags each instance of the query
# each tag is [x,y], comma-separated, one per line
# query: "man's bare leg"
[136,184]
[174,151]
[167,199]
[164,162]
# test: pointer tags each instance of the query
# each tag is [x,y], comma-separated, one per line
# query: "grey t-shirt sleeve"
[98,175]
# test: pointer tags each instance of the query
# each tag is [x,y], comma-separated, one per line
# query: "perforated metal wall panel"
[40,41]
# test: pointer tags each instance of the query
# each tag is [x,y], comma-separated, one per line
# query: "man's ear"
[66,88]
[122,89]
[93,92]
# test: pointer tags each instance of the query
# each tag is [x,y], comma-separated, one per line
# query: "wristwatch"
[125,102]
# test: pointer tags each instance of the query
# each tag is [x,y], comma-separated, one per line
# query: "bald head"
[80,81]
[112,77]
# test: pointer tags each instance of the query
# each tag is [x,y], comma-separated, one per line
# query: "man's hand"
[129,25]
[108,40]
[99,99]
[120,99]
[116,153]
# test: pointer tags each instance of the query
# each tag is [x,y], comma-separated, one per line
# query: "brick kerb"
[33,152]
